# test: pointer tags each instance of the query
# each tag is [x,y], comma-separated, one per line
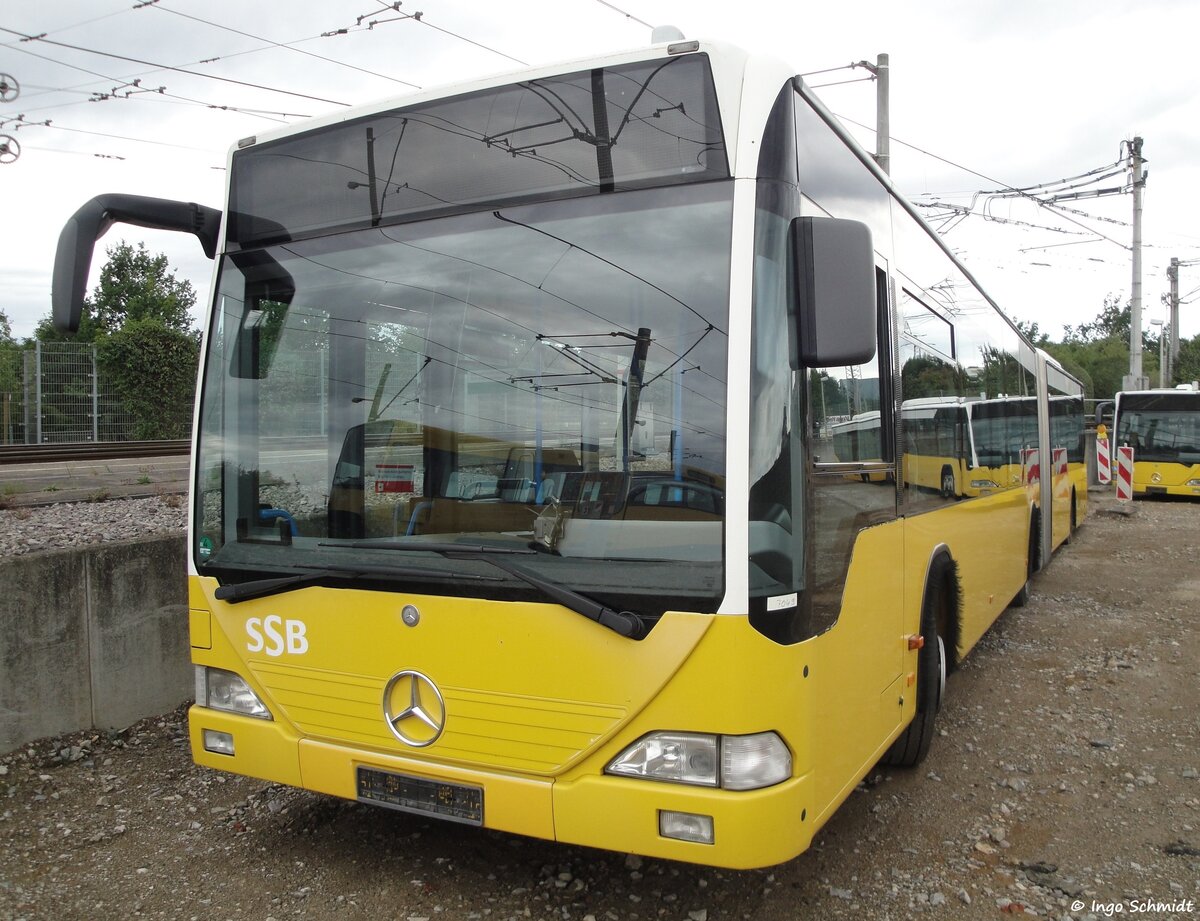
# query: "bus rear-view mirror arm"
[73,260]
[834,265]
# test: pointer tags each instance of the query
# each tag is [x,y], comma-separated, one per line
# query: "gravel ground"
[75,524]
[1065,784]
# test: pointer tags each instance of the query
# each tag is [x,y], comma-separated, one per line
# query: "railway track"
[49,474]
[90,451]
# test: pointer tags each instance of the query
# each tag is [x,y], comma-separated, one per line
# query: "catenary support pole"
[1135,380]
[883,117]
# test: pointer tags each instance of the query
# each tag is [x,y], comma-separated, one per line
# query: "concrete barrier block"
[45,681]
[138,627]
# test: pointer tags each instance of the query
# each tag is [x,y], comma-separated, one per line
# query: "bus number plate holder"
[450,801]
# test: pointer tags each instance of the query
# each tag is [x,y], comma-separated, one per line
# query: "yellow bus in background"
[961,448]
[514,500]
[1163,428]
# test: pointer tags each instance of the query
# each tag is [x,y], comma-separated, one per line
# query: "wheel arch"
[1034,562]
[942,565]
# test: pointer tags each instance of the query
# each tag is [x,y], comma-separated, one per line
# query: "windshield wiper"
[626,623]
[233,592]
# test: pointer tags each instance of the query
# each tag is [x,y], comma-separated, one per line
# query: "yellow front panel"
[200,629]
[511,803]
[519,699]
[538,700]
[263,748]
[1165,479]
[751,829]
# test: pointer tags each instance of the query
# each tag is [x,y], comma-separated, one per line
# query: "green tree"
[134,285]
[152,368]
[1099,350]
[1032,333]
[1112,323]
[10,381]
[139,319]
[1188,367]
[1100,365]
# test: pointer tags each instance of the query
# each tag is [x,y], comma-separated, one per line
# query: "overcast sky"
[986,94]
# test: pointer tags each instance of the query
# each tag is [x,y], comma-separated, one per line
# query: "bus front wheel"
[912,745]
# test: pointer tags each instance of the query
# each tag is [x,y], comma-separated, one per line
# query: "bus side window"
[847,501]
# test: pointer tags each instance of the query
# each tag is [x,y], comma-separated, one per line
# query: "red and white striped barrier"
[1125,474]
[1031,468]
[1103,461]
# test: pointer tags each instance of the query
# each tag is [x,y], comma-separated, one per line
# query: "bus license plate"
[451,801]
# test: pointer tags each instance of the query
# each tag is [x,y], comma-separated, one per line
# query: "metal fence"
[55,392]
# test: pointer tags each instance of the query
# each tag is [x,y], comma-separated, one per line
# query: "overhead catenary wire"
[263,113]
[182,70]
[418,18]
[617,9]
[991,180]
[289,46]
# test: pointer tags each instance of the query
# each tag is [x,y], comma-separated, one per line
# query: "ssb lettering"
[265,636]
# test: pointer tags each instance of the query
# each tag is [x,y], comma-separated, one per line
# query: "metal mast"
[1135,380]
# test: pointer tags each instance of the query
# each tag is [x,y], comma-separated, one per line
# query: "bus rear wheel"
[1021,598]
[912,745]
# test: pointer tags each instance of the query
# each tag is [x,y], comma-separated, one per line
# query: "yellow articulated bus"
[965,448]
[509,500]
[1163,428]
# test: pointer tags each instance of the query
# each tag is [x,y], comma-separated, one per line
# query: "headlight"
[1194,482]
[677,757]
[750,762]
[984,484]
[731,762]
[222,690]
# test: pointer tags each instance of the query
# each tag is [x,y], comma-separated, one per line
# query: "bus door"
[857,567]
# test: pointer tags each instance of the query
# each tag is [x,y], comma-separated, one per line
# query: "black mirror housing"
[73,259]
[834,265]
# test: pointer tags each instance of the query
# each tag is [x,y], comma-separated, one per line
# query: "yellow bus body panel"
[539,701]
[1166,479]
[988,539]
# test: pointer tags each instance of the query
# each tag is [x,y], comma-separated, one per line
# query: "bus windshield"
[546,378]
[1162,427]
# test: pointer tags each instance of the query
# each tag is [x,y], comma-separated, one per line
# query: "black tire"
[949,488]
[912,745]
[1021,598]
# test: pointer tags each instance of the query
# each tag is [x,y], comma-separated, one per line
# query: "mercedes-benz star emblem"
[414,709]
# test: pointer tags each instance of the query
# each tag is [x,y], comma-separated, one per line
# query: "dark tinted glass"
[646,124]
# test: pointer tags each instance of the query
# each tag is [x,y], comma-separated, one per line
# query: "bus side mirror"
[834,265]
[73,260]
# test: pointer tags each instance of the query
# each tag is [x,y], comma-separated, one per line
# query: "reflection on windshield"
[585,133]
[550,376]
[1161,428]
